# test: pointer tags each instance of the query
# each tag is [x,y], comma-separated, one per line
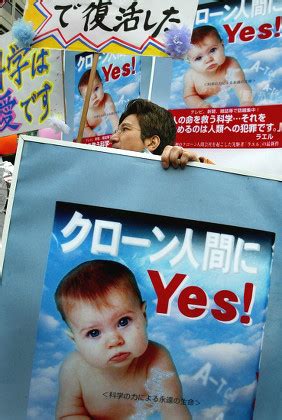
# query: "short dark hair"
[92,281]
[153,120]
[85,79]
[201,32]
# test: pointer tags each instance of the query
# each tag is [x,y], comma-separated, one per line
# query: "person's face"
[208,55]
[128,135]
[97,93]
[111,335]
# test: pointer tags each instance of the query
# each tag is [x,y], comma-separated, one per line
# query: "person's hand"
[177,157]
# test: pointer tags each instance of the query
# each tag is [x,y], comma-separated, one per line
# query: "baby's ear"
[143,308]
[69,333]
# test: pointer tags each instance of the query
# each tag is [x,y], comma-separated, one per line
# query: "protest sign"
[117,81]
[31,87]
[118,26]
[205,276]
[245,39]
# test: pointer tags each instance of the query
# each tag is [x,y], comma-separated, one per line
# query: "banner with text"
[31,87]
[117,26]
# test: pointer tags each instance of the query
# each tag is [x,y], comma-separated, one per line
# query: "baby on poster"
[211,70]
[101,105]
[102,305]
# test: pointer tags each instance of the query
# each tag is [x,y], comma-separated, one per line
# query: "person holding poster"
[102,305]
[101,105]
[147,127]
[211,70]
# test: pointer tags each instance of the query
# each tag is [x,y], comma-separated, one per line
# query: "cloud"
[48,322]
[245,393]
[264,84]
[35,412]
[231,356]
[271,55]
[128,89]
[211,413]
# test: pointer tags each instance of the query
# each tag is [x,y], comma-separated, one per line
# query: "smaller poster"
[117,81]
[233,58]
[227,93]
[31,87]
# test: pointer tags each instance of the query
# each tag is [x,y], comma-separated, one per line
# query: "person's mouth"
[212,66]
[120,357]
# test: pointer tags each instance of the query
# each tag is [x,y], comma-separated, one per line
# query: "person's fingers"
[165,158]
[175,155]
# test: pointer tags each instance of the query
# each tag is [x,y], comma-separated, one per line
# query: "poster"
[218,360]
[118,26]
[116,82]
[31,87]
[206,288]
[234,63]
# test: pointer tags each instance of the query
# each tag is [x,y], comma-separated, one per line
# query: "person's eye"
[198,58]
[213,50]
[124,128]
[93,333]
[123,322]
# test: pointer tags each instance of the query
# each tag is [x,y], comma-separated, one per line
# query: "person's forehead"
[203,46]
[114,304]
[131,120]
[96,81]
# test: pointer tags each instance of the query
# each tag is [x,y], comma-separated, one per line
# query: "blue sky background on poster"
[215,361]
[259,58]
[121,87]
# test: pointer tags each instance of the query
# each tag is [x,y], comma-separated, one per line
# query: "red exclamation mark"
[278,26]
[133,61]
[249,297]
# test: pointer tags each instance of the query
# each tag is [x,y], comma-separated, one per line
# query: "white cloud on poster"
[43,388]
[211,413]
[231,356]
[270,55]
[245,393]
[48,322]
[128,89]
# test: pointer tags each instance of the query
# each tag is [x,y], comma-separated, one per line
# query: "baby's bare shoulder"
[159,356]
[231,62]
[71,363]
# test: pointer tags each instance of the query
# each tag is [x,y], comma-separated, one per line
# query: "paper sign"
[31,87]
[118,26]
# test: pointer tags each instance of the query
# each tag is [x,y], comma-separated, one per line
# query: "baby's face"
[208,55]
[97,93]
[112,335]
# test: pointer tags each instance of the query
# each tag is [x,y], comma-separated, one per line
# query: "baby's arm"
[171,387]
[242,89]
[190,95]
[111,111]
[70,403]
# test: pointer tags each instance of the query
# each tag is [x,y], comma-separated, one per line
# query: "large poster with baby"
[148,317]
[117,81]
[233,61]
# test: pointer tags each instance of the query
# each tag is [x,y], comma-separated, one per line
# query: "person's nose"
[115,135]
[208,58]
[114,339]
